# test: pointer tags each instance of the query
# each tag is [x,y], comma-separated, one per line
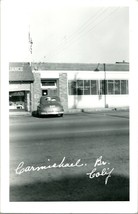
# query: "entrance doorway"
[50,92]
[49,87]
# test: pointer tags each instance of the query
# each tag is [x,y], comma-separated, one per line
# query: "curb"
[96,110]
[75,111]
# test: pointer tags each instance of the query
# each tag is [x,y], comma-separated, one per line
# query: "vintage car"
[13,105]
[50,105]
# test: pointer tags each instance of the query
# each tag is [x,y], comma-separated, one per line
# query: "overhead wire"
[80,36]
[84,26]
[90,24]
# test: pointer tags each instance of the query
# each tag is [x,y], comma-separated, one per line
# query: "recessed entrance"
[49,87]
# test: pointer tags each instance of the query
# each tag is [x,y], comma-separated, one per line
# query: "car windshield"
[49,99]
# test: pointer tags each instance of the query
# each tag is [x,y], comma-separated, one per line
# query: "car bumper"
[51,113]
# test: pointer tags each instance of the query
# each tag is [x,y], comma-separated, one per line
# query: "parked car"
[13,105]
[20,106]
[50,105]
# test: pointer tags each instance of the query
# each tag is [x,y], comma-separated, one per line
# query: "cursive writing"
[21,169]
[105,171]
[100,167]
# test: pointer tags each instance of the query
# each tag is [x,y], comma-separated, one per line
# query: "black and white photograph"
[68,138]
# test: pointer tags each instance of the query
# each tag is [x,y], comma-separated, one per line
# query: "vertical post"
[105,88]
[31,96]
[30,47]
[76,91]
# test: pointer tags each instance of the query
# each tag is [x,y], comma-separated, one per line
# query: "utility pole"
[104,82]
[30,45]
[105,86]
[31,94]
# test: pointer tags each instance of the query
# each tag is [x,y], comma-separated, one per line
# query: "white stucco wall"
[92,101]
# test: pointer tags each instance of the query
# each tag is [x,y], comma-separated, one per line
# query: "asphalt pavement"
[80,157]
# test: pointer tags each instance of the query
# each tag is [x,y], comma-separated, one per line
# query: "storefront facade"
[79,86]
[20,86]
[85,85]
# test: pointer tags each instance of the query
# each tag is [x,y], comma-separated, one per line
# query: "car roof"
[43,98]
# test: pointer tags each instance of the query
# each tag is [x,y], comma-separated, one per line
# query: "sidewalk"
[94,110]
[74,111]
[19,113]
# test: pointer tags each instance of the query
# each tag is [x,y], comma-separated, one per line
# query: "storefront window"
[87,87]
[117,87]
[17,100]
[101,86]
[127,87]
[94,88]
[123,87]
[110,86]
[79,87]
[72,87]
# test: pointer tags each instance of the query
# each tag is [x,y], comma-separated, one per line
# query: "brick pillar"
[32,94]
[63,90]
[36,91]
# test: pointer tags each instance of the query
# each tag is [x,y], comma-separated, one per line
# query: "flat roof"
[80,66]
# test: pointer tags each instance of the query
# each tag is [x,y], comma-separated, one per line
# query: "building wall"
[97,101]
[36,91]
[81,101]
[81,75]
[117,100]
[62,83]
[63,90]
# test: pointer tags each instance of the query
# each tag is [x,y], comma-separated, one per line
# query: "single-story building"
[78,85]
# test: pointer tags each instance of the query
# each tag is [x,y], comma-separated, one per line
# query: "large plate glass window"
[94,87]
[103,87]
[79,87]
[17,100]
[117,87]
[110,86]
[87,87]
[72,87]
[123,87]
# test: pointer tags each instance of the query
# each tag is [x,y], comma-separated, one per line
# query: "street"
[80,157]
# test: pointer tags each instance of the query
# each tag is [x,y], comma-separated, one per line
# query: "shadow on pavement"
[80,188]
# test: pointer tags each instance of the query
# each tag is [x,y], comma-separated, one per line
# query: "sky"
[67,33]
